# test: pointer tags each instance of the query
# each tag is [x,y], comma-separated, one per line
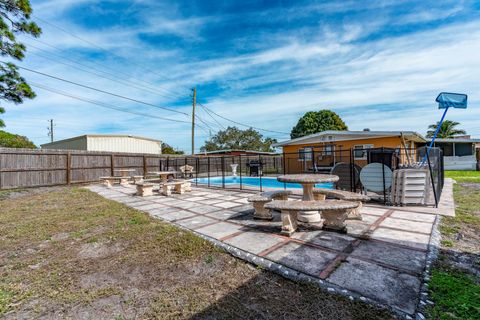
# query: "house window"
[305,154]
[360,151]
[328,150]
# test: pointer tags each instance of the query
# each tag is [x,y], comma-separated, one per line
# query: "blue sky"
[379,64]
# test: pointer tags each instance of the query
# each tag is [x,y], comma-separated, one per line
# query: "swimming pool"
[267,182]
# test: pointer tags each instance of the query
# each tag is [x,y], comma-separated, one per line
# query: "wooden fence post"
[144,165]
[112,168]
[69,166]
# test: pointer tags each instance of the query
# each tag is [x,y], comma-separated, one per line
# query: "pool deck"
[383,259]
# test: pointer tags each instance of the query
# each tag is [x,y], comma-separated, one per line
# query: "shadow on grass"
[263,297]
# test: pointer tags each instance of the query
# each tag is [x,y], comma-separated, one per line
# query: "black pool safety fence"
[371,170]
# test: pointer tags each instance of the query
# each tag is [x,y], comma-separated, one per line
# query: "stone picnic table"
[308,182]
[124,175]
[164,174]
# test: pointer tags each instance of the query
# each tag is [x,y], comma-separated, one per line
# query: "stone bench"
[144,189]
[137,179]
[334,213]
[178,186]
[110,181]
[260,200]
[320,194]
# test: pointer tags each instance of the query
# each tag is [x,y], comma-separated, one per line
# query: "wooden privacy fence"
[20,168]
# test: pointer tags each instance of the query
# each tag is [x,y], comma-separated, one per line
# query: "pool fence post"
[240,165]
[222,162]
[383,177]
[208,170]
[197,165]
[352,166]
[433,181]
[314,164]
[260,171]
[283,162]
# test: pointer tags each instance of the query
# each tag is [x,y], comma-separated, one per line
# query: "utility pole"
[194,102]
[50,130]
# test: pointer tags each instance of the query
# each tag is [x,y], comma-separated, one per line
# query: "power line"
[109,106]
[242,124]
[124,82]
[103,49]
[102,104]
[214,119]
[100,90]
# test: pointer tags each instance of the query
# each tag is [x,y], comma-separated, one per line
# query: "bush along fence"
[21,168]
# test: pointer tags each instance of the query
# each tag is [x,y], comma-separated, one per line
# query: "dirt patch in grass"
[69,253]
[455,284]
[461,234]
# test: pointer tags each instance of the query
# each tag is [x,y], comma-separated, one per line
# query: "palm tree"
[447,130]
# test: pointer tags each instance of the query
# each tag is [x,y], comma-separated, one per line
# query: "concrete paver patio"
[382,258]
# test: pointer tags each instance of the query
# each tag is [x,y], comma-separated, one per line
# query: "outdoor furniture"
[308,181]
[137,179]
[321,194]
[110,181]
[376,177]
[144,189]
[179,186]
[412,187]
[153,180]
[164,175]
[187,171]
[263,198]
[349,175]
[334,213]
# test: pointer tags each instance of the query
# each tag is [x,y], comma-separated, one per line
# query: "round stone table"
[308,181]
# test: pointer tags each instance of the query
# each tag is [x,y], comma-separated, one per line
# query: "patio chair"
[187,171]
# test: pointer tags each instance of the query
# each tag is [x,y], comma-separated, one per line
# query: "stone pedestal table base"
[289,222]
[261,212]
[308,216]
[354,214]
[335,220]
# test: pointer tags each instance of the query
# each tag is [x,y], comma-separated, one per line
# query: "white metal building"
[108,143]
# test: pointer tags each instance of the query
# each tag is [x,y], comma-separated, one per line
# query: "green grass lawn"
[455,285]
[463,176]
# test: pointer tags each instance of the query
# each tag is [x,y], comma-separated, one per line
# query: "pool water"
[267,182]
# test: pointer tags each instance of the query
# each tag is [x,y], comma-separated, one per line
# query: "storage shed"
[108,143]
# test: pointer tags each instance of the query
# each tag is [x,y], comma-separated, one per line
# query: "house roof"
[350,135]
[101,136]
[459,140]
[237,150]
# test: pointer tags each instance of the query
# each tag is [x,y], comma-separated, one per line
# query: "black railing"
[254,171]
